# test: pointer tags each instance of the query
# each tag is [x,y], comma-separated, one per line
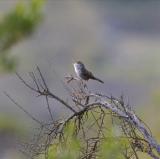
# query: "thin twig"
[20,107]
[48,107]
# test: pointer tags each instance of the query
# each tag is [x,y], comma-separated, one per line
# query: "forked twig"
[86,104]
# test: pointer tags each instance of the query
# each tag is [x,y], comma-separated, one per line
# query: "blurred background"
[118,40]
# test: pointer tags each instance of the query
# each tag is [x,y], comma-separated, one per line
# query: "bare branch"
[49,109]
[85,105]
[20,107]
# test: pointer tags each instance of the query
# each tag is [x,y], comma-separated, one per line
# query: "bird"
[83,73]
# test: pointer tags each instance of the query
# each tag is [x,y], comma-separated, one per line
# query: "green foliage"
[75,142]
[112,147]
[71,147]
[16,25]
[67,149]
[7,62]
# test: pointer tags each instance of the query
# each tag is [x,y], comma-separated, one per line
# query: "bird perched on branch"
[83,73]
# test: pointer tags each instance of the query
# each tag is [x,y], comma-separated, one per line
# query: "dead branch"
[85,102]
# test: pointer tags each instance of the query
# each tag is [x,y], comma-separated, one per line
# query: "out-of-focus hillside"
[118,41]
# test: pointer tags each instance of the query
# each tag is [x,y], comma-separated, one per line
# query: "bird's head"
[78,64]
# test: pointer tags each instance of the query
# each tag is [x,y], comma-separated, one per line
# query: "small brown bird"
[83,73]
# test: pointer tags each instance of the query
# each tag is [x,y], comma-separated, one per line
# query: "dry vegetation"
[97,123]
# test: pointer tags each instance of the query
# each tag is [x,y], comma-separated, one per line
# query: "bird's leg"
[83,84]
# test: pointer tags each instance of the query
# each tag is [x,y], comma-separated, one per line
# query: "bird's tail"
[97,79]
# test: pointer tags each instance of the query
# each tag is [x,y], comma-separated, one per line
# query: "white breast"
[77,69]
